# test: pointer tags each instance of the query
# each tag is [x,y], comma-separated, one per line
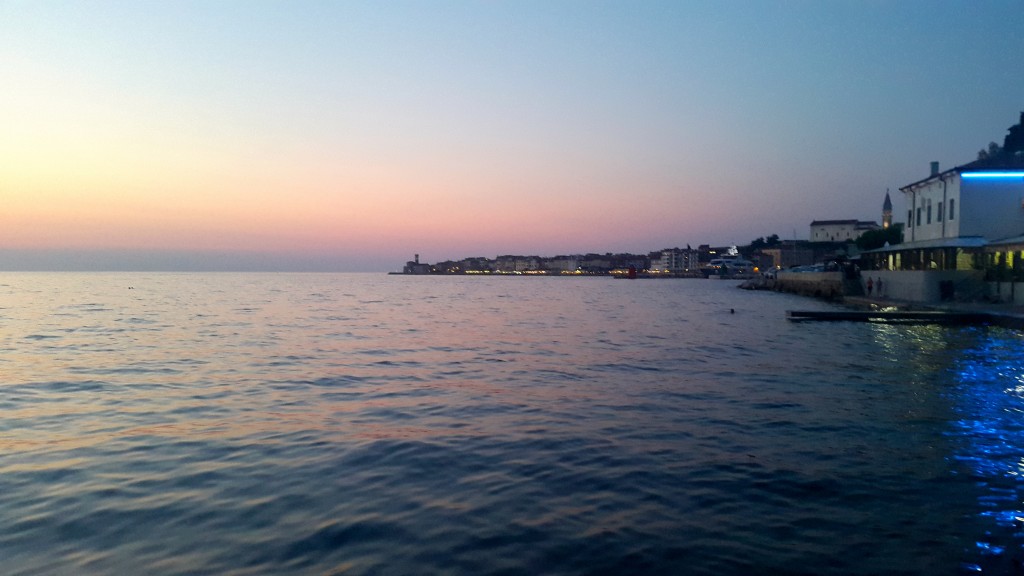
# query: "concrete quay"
[1004,315]
[889,316]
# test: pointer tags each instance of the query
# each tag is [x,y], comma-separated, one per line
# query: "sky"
[348,136]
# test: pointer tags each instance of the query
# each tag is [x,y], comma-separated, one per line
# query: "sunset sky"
[350,135]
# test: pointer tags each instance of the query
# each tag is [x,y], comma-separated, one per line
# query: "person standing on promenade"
[878,287]
[870,284]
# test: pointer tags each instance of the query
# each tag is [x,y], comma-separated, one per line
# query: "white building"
[964,231]
[562,264]
[839,230]
[965,201]
[675,260]
[511,263]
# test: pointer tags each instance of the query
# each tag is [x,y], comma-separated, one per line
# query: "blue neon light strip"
[992,175]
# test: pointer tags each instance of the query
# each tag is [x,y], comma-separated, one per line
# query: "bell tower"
[886,211]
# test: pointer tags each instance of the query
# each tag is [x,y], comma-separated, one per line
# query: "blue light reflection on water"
[988,397]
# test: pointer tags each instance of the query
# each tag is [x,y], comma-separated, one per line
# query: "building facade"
[839,230]
[788,254]
[414,267]
[674,261]
[562,264]
[968,200]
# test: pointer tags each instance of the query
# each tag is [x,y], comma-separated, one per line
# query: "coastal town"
[704,261]
[962,240]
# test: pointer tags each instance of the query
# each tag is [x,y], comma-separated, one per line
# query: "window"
[929,211]
[938,214]
[951,210]
[910,218]
[919,216]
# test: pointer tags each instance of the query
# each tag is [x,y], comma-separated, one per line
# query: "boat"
[730,266]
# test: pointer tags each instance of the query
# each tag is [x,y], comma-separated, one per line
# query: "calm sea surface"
[372,424]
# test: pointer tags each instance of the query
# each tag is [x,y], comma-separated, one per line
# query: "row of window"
[927,209]
[817,236]
[998,266]
[1004,267]
[930,259]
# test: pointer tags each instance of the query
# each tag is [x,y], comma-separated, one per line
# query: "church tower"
[887,211]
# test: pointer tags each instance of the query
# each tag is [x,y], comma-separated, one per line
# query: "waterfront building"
[562,264]
[414,267]
[476,265]
[596,263]
[517,264]
[674,261]
[964,231]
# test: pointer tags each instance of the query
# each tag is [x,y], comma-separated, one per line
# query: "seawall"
[818,284]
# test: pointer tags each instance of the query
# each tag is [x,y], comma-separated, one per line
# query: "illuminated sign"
[999,175]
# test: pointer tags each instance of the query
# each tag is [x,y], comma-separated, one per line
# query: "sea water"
[374,424]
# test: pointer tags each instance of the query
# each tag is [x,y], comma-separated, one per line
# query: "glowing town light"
[1000,175]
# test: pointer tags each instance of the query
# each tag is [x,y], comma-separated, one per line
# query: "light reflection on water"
[990,428]
[232,423]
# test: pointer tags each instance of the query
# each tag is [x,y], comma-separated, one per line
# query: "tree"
[878,237]
[993,151]
[762,242]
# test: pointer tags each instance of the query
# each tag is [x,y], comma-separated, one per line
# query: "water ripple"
[363,424]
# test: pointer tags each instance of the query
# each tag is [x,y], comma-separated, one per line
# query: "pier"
[1012,318]
[893,316]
